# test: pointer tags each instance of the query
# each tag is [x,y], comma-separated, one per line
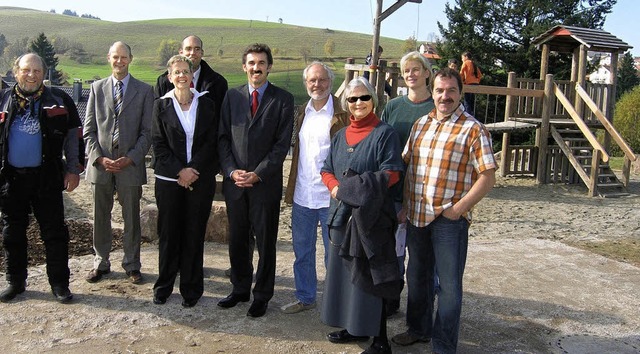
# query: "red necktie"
[254,102]
[191,84]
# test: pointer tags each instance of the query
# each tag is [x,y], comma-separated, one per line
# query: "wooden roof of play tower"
[578,40]
[565,39]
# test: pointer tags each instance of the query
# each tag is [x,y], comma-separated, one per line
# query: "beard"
[318,96]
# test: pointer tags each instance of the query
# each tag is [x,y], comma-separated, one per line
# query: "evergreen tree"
[43,48]
[499,33]
[627,75]
[3,43]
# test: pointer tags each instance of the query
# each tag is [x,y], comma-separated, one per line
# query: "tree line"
[68,12]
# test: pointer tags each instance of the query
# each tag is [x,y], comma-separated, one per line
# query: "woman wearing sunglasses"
[362,269]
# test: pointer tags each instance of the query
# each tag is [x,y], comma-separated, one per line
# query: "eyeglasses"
[363,98]
[178,72]
[317,81]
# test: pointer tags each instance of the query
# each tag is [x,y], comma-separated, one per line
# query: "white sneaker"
[297,306]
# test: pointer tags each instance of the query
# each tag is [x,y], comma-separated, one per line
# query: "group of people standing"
[421,167]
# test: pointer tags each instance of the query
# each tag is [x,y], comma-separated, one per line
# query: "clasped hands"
[187,176]
[244,179]
[115,166]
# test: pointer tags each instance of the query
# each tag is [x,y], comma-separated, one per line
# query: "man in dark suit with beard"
[256,123]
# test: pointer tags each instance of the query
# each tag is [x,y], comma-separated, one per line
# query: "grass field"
[224,40]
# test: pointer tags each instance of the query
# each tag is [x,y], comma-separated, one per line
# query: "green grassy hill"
[224,41]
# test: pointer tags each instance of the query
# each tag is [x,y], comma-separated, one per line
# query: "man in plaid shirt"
[450,168]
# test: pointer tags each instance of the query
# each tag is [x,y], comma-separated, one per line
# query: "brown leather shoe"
[95,275]
[135,276]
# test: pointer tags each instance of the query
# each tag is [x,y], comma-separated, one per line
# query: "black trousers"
[182,223]
[20,194]
[249,216]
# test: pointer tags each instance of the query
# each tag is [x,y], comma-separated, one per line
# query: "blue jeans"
[304,226]
[443,244]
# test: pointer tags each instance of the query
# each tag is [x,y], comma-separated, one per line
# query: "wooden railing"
[493,110]
[521,160]
[629,155]
[577,119]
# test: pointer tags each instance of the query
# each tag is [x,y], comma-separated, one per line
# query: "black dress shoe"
[378,348]
[62,294]
[232,300]
[344,336]
[12,291]
[96,274]
[258,308]
[159,300]
[189,303]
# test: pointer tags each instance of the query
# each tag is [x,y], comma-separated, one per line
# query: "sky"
[412,19]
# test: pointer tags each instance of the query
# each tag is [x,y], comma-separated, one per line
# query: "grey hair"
[359,81]
[179,58]
[16,64]
[324,66]
[415,56]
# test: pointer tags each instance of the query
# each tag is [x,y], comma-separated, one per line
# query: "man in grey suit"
[117,133]
[256,121]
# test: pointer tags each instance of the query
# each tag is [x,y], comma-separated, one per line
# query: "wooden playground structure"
[567,115]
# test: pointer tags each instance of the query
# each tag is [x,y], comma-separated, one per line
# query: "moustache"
[257,71]
[446,101]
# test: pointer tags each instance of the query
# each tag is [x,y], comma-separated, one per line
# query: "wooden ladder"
[580,154]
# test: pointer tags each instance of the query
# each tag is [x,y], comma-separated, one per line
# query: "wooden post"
[575,58]
[542,142]
[593,176]
[610,99]
[544,62]
[394,79]
[349,75]
[582,78]
[505,157]
[375,43]
[379,85]
[626,170]
[575,70]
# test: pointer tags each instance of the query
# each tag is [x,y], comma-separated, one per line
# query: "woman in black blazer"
[184,135]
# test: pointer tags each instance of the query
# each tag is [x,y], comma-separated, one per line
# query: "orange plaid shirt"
[443,161]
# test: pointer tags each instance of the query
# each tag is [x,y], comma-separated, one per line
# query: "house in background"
[428,50]
[602,75]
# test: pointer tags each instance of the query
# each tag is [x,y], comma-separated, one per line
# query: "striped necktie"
[117,107]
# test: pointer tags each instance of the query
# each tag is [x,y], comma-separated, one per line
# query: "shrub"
[627,120]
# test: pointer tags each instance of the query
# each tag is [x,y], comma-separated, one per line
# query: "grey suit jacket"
[135,130]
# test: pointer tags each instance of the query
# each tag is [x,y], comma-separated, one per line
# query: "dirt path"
[526,291]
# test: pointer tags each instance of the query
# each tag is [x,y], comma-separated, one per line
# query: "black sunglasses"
[355,99]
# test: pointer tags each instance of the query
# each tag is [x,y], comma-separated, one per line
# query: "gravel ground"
[527,289]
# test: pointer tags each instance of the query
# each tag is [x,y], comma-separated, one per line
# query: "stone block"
[149,222]
[218,224]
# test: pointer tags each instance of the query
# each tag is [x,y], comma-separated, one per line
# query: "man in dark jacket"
[204,77]
[36,122]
